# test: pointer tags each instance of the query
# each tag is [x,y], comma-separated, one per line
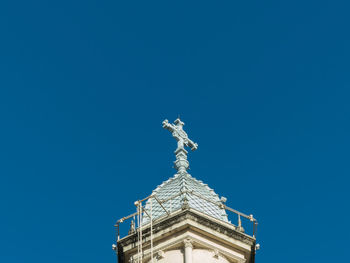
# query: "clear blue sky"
[263,87]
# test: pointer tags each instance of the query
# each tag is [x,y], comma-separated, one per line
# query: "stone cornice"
[192,215]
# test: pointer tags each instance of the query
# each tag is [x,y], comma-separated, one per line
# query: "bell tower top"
[184,220]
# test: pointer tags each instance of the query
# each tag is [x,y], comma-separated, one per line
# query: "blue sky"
[263,87]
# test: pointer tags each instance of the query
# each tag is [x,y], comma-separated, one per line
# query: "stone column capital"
[188,243]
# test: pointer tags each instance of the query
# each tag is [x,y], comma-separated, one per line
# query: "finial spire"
[181,163]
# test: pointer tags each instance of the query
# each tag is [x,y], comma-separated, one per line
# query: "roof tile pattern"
[179,186]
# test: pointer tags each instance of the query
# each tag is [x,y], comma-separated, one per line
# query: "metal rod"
[155,197]
[144,199]
[255,228]
[171,197]
[238,213]
[141,240]
[144,210]
[151,231]
[126,217]
[138,232]
[202,197]
[117,238]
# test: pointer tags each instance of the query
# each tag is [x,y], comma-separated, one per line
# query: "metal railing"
[141,209]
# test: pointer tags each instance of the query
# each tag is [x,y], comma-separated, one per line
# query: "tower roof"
[184,191]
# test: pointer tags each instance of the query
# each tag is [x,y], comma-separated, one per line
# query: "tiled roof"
[182,184]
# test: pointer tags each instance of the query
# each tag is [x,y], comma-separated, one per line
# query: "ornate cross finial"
[181,163]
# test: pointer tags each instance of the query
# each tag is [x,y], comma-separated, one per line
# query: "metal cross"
[179,134]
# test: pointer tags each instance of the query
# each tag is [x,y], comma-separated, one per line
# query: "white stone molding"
[195,235]
[216,253]
[160,254]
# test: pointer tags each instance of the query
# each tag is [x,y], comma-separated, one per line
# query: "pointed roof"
[182,191]
[185,191]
